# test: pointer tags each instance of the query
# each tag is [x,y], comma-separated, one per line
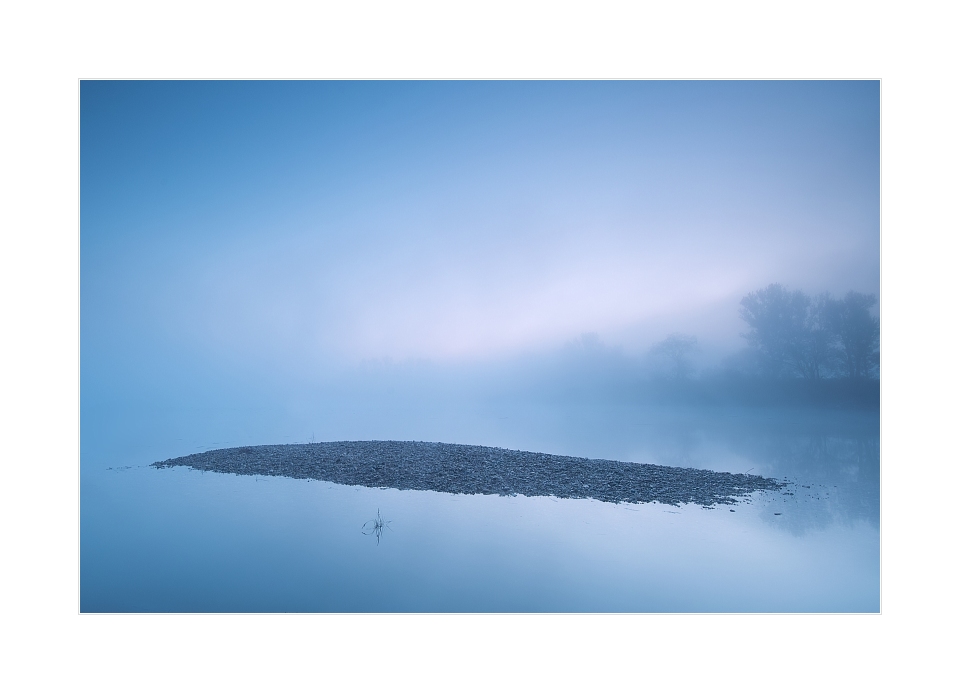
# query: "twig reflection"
[375,526]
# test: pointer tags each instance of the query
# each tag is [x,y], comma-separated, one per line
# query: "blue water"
[181,540]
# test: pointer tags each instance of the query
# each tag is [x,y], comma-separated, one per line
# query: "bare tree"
[778,329]
[858,334]
[814,339]
[819,348]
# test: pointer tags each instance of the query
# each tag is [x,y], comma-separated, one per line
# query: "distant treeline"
[800,350]
[793,336]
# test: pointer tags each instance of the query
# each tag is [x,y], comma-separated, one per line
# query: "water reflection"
[831,457]
[375,526]
[837,478]
[179,540]
[832,460]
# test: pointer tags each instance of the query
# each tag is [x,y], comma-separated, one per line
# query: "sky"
[306,228]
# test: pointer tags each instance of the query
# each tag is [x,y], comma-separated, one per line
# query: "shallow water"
[177,539]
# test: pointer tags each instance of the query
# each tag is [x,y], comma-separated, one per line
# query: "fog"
[426,260]
[670,273]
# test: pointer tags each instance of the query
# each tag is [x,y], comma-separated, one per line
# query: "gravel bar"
[474,469]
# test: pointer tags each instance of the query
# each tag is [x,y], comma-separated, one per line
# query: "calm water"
[181,540]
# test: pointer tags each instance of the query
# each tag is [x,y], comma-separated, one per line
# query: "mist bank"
[584,372]
[800,350]
[589,372]
[757,391]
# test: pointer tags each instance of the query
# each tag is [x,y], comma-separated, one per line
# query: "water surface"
[179,539]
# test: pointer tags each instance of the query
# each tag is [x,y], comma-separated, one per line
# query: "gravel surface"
[475,469]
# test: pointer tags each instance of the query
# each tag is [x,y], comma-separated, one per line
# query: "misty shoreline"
[731,390]
[474,469]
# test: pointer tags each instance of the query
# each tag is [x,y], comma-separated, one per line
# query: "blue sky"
[314,226]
